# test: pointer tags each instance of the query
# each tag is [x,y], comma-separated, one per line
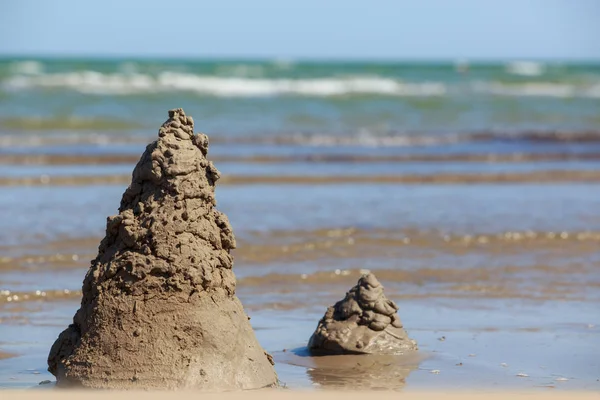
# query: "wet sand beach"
[495,279]
[300,395]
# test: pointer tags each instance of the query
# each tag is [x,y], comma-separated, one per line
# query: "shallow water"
[473,197]
[506,274]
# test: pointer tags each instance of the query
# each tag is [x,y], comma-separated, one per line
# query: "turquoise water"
[363,102]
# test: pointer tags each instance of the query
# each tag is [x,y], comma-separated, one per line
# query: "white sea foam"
[91,82]
[525,68]
[367,139]
[30,77]
[538,89]
[40,139]
[594,91]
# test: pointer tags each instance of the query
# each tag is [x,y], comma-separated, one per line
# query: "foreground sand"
[293,395]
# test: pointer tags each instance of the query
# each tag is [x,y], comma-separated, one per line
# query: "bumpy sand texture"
[364,322]
[159,308]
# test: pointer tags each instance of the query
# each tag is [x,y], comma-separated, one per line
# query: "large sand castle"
[159,308]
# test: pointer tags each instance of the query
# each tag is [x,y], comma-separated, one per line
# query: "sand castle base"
[228,361]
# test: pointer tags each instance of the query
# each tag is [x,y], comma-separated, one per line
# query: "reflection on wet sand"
[275,394]
[353,372]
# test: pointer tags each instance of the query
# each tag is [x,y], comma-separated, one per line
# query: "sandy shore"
[494,267]
[293,395]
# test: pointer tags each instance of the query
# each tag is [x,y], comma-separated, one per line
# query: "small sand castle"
[365,321]
[159,309]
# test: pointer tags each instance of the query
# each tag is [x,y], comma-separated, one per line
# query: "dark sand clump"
[159,308]
[365,321]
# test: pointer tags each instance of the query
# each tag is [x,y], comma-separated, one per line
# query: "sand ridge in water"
[159,308]
[116,158]
[545,177]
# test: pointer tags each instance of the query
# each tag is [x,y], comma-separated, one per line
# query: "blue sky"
[392,29]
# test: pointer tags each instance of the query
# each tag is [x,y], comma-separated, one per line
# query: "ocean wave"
[42,139]
[323,157]
[26,67]
[538,89]
[71,123]
[525,68]
[39,138]
[129,82]
[91,82]
[368,139]
[365,139]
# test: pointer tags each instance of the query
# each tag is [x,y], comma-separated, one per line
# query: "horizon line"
[262,58]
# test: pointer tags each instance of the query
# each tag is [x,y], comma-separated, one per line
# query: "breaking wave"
[106,142]
[29,76]
[525,68]
[538,89]
[91,82]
